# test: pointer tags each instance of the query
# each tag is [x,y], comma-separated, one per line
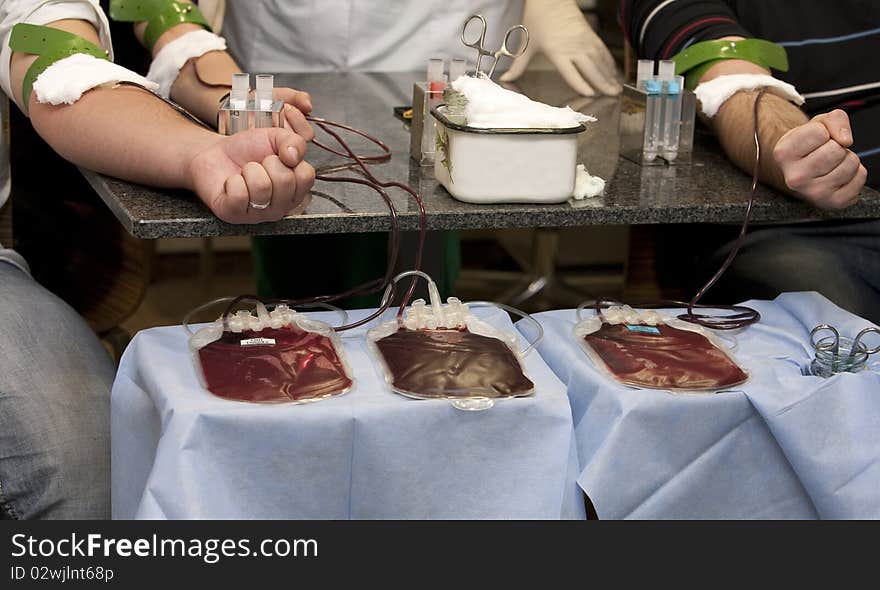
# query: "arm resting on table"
[807,158]
[129,133]
[204,81]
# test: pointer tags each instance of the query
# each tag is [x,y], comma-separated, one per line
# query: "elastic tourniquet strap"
[51,45]
[160,16]
[696,59]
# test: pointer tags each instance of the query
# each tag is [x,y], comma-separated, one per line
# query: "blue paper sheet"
[179,452]
[783,445]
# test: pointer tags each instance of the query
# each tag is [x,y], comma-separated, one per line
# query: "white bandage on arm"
[168,62]
[43,12]
[714,93]
[65,81]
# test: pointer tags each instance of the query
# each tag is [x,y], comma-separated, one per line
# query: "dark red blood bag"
[448,353]
[447,363]
[279,357]
[658,355]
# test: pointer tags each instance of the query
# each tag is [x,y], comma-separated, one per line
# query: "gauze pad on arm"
[65,81]
[714,93]
[168,62]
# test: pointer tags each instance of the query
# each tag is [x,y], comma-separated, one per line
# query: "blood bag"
[444,351]
[648,351]
[277,356]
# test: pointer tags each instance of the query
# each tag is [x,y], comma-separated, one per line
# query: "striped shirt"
[831,49]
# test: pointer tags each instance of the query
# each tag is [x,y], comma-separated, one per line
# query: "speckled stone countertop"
[710,189]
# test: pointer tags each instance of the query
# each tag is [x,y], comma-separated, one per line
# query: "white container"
[505,165]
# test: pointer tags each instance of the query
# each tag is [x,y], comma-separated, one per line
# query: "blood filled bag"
[444,351]
[277,356]
[646,350]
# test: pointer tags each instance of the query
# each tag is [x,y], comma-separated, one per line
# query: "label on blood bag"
[258,342]
[646,329]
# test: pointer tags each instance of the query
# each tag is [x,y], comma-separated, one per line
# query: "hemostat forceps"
[837,354]
[480,43]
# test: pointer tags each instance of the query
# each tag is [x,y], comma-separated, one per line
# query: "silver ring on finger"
[259,206]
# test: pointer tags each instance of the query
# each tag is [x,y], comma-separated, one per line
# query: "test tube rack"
[643,113]
[232,120]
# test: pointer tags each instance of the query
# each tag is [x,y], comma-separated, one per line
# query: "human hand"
[558,29]
[297,104]
[255,167]
[816,164]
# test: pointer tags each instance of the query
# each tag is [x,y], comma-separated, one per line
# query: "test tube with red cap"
[436,83]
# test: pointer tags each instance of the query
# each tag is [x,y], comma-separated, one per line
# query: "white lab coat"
[358,35]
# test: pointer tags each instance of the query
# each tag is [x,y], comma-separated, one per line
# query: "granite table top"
[710,189]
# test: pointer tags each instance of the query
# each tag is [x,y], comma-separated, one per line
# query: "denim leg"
[840,261]
[55,379]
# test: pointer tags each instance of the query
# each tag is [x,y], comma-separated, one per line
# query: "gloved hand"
[558,29]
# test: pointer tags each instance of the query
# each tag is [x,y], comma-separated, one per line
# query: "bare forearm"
[199,86]
[124,132]
[128,132]
[734,125]
[806,158]
[120,131]
[201,98]
[202,82]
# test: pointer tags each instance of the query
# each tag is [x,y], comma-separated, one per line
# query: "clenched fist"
[816,163]
[254,176]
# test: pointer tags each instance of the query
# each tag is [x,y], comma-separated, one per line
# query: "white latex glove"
[558,29]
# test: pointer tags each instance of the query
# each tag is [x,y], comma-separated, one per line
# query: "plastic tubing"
[423,217]
[743,316]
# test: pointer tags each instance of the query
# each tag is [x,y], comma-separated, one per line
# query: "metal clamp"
[821,345]
[837,354]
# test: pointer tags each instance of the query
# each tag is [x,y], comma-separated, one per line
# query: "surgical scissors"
[480,43]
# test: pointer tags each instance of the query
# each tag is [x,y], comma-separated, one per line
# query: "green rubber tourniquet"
[160,16]
[51,45]
[696,59]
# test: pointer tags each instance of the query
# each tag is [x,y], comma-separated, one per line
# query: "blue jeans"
[839,259]
[55,379]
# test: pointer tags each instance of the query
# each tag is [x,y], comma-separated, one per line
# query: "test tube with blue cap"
[653,87]
[673,118]
[672,97]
